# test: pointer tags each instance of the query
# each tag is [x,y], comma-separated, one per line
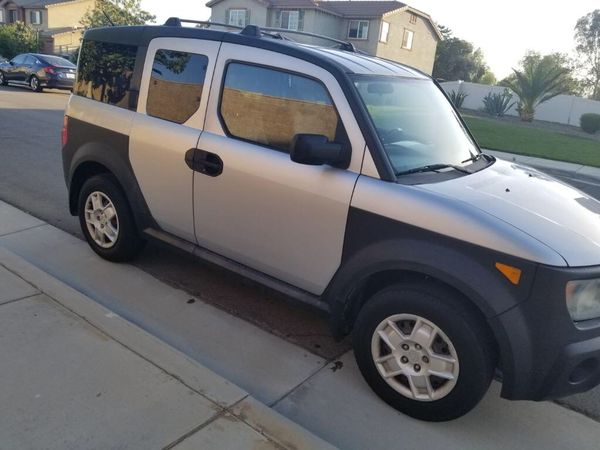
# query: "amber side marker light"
[511,273]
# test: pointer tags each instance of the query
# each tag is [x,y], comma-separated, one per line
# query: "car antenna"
[112,24]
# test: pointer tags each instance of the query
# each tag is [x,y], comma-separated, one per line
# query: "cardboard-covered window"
[176,85]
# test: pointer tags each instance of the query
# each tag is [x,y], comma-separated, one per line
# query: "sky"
[504,30]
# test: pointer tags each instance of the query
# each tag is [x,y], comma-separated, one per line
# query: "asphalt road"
[31,179]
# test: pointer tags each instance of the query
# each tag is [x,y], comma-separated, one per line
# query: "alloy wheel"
[415,357]
[101,220]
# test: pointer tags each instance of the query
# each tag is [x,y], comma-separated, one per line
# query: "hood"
[556,214]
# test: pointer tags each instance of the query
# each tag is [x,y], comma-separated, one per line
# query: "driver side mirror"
[316,150]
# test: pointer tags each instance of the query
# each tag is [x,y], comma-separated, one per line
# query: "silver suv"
[347,182]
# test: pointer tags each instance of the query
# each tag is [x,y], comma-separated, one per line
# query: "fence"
[566,109]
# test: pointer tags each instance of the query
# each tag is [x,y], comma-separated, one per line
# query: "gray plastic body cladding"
[91,143]
[542,345]
[375,244]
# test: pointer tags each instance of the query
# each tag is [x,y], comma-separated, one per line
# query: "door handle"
[204,162]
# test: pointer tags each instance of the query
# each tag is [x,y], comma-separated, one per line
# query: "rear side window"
[105,72]
[176,85]
[269,106]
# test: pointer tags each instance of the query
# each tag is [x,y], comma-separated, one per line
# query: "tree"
[17,38]
[587,37]
[457,59]
[116,12]
[539,79]
[488,78]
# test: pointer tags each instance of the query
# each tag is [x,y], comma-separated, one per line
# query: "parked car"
[347,182]
[38,72]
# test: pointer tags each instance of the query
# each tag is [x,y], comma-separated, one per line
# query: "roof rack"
[256,31]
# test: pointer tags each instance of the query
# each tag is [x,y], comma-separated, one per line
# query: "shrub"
[498,104]
[590,123]
[458,98]
[17,38]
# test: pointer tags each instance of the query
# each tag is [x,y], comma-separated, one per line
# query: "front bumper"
[544,354]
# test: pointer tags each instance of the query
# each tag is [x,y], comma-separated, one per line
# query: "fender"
[377,245]
[89,143]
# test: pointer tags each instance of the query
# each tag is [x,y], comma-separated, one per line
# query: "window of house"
[1,15]
[237,17]
[13,16]
[276,106]
[358,29]
[385,31]
[105,72]
[407,40]
[35,17]
[176,85]
[413,18]
[290,20]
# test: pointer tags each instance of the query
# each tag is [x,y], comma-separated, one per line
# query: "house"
[58,21]
[388,29]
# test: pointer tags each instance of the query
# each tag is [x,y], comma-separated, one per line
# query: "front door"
[261,209]
[171,108]
[15,69]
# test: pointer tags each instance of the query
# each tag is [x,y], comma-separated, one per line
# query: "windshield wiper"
[477,157]
[433,168]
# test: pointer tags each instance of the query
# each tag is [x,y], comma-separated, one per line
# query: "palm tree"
[540,80]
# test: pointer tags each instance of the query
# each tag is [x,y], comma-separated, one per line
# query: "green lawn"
[497,135]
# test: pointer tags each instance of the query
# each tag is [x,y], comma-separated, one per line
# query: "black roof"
[333,59]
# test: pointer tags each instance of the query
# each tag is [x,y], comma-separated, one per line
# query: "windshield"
[415,122]
[58,61]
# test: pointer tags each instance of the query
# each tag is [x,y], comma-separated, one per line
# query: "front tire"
[34,84]
[107,221]
[3,81]
[424,351]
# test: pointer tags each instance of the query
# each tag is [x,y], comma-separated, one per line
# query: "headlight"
[583,299]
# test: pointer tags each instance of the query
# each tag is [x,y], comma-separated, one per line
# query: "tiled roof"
[361,8]
[37,3]
[364,8]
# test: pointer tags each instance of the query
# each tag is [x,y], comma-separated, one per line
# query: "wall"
[368,45]
[44,25]
[258,12]
[69,14]
[565,109]
[422,54]
[66,42]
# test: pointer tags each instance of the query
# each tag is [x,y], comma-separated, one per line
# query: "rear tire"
[451,340]
[34,84]
[107,221]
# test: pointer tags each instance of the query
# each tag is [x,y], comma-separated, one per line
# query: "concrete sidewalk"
[75,376]
[178,385]
[578,170]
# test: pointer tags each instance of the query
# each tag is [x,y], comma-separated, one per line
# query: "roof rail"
[256,31]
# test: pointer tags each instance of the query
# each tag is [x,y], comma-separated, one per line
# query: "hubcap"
[34,83]
[101,219]
[415,357]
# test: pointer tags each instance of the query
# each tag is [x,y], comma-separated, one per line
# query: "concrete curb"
[176,364]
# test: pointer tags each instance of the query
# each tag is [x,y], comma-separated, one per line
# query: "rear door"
[169,121]
[260,208]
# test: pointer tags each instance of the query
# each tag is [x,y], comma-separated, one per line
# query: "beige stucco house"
[389,29]
[58,21]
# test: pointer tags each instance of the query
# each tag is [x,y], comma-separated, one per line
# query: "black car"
[38,72]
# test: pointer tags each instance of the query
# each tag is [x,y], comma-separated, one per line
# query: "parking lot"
[31,179]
